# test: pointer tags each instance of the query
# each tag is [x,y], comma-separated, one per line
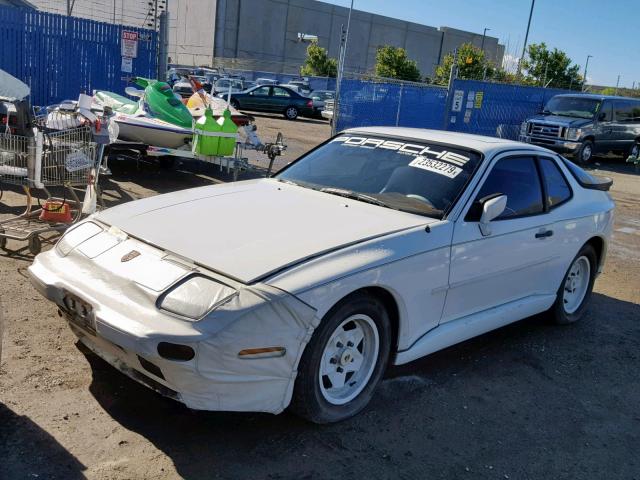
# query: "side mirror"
[602,116]
[491,209]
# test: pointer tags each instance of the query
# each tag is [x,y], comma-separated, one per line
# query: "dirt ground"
[528,401]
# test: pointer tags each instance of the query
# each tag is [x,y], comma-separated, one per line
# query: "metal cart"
[46,158]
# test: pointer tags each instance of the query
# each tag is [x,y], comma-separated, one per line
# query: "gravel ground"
[528,401]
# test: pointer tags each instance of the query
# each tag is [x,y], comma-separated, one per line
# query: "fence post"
[399,105]
[453,74]
[163,42]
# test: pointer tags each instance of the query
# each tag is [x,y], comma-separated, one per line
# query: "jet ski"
[158,118]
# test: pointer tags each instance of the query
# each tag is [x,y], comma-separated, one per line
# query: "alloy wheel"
[576,284]
[348,359]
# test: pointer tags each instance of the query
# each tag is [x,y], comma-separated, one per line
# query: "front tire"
[634,151]
[584,155]
[576,287]
[234,103]
[344,361]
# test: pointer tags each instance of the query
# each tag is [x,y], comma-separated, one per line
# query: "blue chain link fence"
[385,102]
[60,57]
[494,109]
[471,106]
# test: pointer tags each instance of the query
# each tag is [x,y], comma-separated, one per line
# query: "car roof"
[479,143]
[595,96]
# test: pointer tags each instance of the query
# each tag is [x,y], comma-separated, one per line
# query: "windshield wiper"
[547,112]
[356,196]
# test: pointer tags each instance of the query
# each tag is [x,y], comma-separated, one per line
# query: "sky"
[607,29]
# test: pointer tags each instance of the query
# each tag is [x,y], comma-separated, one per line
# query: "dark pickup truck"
[581,125]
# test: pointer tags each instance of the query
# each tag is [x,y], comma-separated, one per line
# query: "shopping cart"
[41,159]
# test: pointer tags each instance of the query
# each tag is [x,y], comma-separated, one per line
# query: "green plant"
[471,64]
[318,63]
[393,62]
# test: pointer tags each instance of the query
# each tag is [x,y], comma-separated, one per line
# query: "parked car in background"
[327,111]
[266,81]
[319,98]
[302,85]
[183,88]
[221,86]
[388,244]
[273,98]
[583,125]
[204,71]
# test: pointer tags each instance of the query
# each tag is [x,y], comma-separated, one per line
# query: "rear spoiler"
[585,179]
[598,183]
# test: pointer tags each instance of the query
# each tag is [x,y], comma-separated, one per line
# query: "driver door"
[257,99]
[513,261]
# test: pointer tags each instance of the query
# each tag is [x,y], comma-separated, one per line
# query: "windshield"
[415,177]
[577,107]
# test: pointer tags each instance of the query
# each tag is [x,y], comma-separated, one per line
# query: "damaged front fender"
[258,318]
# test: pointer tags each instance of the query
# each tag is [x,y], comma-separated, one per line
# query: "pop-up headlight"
[194,297]
[74,237]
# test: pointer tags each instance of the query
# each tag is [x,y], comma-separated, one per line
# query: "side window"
[627,111]
[606,111]
[280,92]
[518,179]
[558,191]
[262,91]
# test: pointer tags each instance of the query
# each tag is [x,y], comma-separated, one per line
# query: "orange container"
[56,211]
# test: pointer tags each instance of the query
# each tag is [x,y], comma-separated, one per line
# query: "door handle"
[544,234]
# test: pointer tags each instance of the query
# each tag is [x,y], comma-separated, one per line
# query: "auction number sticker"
[435,166]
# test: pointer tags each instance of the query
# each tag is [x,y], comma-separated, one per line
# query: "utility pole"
[617,85]
[114,11]
[584,77]
[70,5]
[344,37]
[526,37]
[484,34]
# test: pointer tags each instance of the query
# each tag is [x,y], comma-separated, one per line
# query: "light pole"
[341,56]
[617,85]
[484,34]
[584,77]
[526,36]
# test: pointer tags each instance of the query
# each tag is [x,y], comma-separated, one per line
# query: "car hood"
[560,120]
[249,230]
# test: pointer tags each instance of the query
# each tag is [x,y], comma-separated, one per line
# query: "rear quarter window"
[558,190]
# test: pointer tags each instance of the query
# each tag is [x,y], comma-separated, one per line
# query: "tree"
[318,63]
[547,68]
[472,65]
[393,62]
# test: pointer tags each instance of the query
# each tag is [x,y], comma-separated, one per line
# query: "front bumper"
[557,145]
[125,332]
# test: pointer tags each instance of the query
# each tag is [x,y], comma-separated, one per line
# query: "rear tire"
[344,361]
[576,287]
[291,113]
[584,155]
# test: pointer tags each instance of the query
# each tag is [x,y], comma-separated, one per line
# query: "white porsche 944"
[380,246]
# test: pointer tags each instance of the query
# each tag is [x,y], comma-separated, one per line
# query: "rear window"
[407,175]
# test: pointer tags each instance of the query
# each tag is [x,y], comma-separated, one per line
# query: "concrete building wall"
[265,31]
[191,31]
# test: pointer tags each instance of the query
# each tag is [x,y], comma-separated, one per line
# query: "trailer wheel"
[35,245]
